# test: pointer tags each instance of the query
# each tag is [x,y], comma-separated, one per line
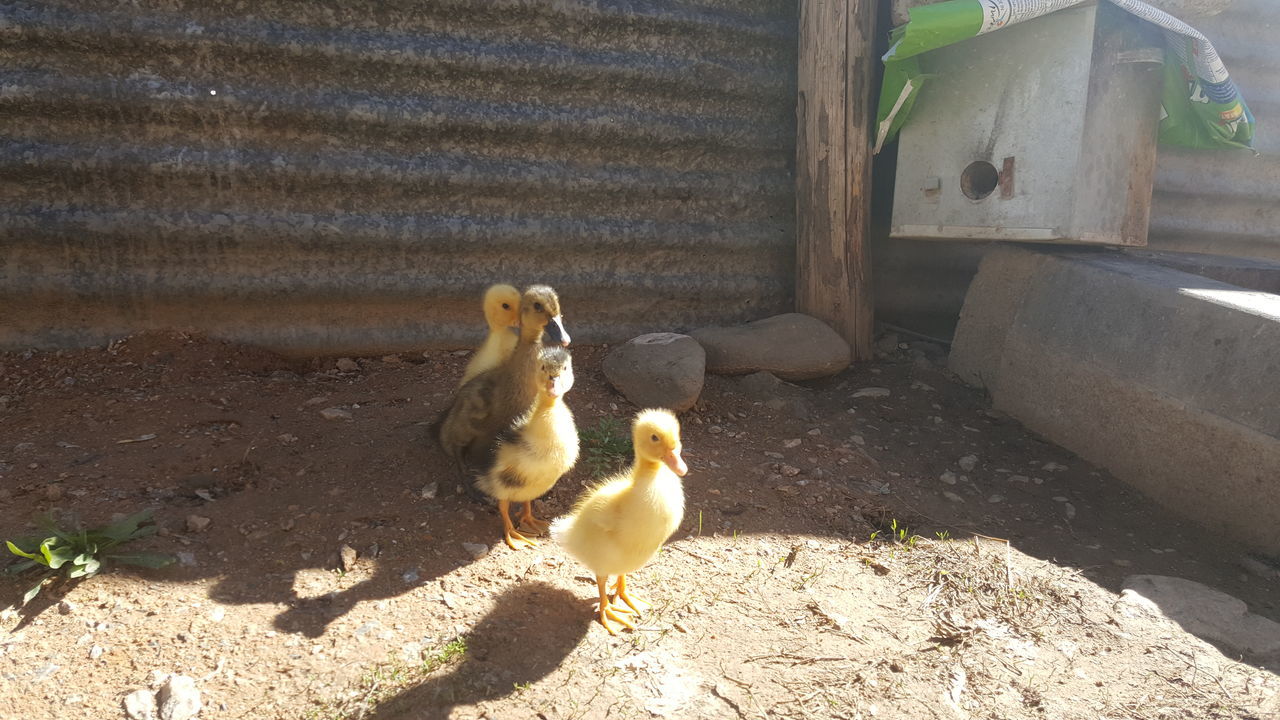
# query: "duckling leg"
[606,610]
[531,523]
[620,592]
[509,534]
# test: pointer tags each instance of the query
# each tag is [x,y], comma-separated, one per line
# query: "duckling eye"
[537,306]
[653,438]
[506,306]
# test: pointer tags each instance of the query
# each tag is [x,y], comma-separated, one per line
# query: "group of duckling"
[512,437]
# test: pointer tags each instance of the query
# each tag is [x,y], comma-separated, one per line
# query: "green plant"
[606,446]
[83,552]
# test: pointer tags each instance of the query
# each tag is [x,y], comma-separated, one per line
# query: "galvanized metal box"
[1044,131]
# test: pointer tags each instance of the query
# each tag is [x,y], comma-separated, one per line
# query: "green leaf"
[47,523]
[144,559]
[35,590]
[128,528]
[84,569]
[19,552]
[18,567]
[55,556]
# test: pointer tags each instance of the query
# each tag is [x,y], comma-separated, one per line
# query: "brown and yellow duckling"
[502,313]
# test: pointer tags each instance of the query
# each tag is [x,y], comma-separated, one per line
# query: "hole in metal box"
[979,180]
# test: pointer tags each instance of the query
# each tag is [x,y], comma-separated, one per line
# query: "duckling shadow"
[527,635]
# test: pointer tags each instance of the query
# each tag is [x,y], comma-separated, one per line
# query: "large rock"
[1209,614]
[792,346]
[179,699]
[663,370]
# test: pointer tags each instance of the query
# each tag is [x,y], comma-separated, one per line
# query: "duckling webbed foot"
[531,524]
[606,609]
[510,536]
[620,593]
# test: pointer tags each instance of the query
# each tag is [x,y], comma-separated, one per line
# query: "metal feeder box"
[1044,131]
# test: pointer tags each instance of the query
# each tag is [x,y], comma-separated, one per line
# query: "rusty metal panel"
[1229,202]
[331,177]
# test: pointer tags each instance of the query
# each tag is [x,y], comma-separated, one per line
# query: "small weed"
[385,681]
[943,535]
[606,447]
[83,552]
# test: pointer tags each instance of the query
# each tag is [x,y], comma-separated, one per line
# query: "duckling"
[618,526]
[536,450]
[502,313]
[489,402]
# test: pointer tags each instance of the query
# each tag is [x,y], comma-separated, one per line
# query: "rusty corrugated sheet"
[336,177]
[1229,202]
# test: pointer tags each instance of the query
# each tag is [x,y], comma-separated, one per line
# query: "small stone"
[197,523]
[449,599]
[1019,478]
[95,652]
[968,462]
[217,613]
[715,430]
[887,344]
[53,493]
[347,365]
[475,550]
[663,370]
[948,477]
[335,413]
[792,443]
[179,699]
[815,432]
[858,440]
[995,499]
[1069,510]
[789,471]
[141,705]
[1054,467]
[186,559]
[429,491]
[1059,498]
[347,557]
[952,496]
[66,607]
[287,438]
[1121,562]
[44,673]
[871,392]
[411,577]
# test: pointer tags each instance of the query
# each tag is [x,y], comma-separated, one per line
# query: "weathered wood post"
[833,166]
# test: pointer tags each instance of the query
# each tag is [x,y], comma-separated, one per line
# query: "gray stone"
[347,556]
[347,365]
[664,370]
[968,462]
[334,413]
[141,705]
[197,523]
[475,550]
[887,344]
[792,346]
[179,699]
[871,392]
[1207,613]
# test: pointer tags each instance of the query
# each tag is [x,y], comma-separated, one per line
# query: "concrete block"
[1170,380]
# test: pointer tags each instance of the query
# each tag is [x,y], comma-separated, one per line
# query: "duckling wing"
[463,422]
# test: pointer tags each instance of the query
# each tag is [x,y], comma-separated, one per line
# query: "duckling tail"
[560,528]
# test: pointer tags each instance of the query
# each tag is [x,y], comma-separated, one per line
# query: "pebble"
[140,705]
[715,429]
[815,432]
[858,440]
[475,550]
[95,652]
[774,455]
[429,491]
[335,413]
[53,493]
[44,673]
[995,499]
[217,613]
[1070,511]
[792,443]
[948,477]
[186,559]
[179,699]
[1121,562]
[1019,478]
[1059,498]
[411,576]
[347,556]
[1054,467]
[968,462]
[197,523]
[789,471]
[66,607]
[871,392]
[347,365]
[952,496]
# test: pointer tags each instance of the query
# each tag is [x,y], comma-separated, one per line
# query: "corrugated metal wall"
[347,177]
[1229,202]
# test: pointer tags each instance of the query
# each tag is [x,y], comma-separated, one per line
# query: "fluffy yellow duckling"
[502,313]
[538,448]
[618,526]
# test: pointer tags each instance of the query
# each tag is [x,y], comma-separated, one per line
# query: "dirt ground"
[772,600]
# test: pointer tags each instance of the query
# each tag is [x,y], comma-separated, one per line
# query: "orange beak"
[675,462]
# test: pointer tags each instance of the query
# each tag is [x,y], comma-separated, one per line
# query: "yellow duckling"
[536,450]
[618,526]
[502,313]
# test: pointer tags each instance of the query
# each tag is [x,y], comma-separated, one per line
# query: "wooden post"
[833,166]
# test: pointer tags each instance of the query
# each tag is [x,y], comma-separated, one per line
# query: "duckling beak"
[560,384]
[556,332]
[675,462]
